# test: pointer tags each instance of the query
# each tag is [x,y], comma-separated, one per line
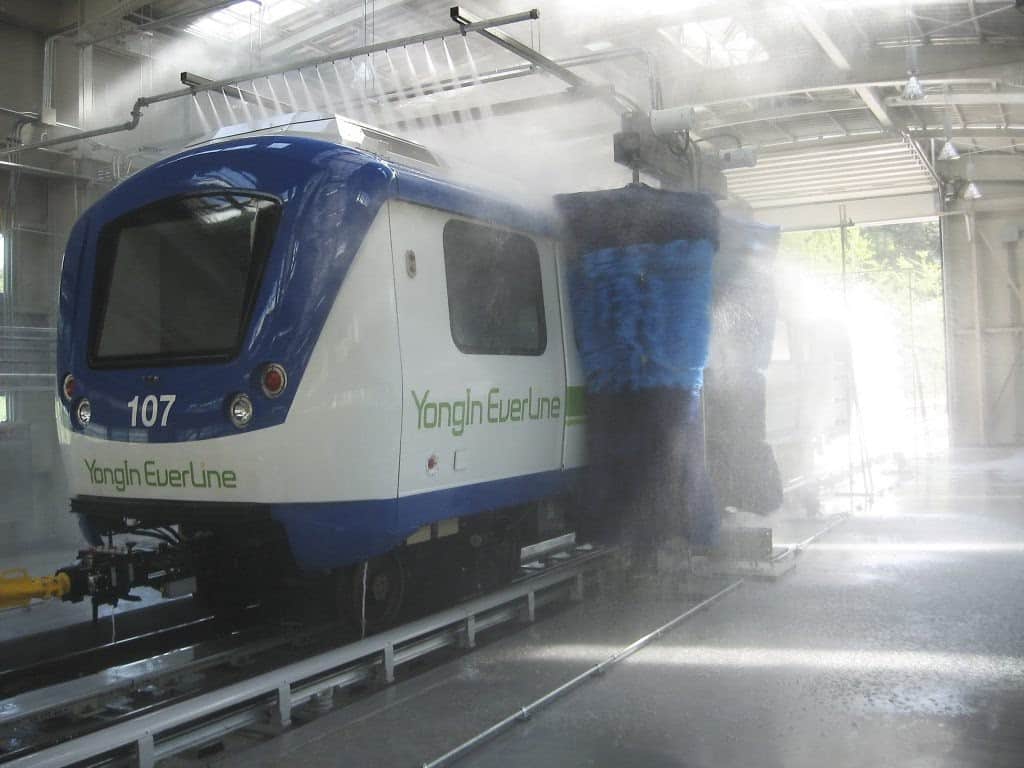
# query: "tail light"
[274,380]
[68,387]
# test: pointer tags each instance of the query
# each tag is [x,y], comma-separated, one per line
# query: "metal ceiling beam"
[85,13]
[882,66]
[322,27]
[959,99]
[157,23]
[778,114]
[815,27]
[972,6]
[872,101]
[974,131]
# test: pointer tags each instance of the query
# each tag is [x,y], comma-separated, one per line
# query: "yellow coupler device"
[17,588]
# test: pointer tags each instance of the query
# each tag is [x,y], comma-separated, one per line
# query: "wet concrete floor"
[898,640]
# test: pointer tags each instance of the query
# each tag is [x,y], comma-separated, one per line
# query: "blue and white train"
[306,352]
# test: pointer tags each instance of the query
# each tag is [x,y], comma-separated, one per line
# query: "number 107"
[150,408]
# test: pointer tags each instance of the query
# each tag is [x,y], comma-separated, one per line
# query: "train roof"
[421,175]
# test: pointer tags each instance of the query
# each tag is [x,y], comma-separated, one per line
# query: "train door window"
[495,297]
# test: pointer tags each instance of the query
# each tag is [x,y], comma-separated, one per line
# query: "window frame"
[467,349]
[102,276]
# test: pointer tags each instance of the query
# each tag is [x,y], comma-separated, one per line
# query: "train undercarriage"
[236,557]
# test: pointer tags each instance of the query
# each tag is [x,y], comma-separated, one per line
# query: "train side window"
[495,296]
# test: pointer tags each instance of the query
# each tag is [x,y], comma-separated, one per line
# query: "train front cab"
[428,399]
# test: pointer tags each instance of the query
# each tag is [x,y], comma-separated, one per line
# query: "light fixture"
[912,89]
[971,191]
[949,151]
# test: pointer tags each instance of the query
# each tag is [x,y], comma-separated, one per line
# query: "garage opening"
[880,289]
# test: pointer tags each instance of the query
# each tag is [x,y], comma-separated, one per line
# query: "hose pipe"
[18,589]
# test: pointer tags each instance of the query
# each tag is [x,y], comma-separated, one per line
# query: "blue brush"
[640,288]
[642,315]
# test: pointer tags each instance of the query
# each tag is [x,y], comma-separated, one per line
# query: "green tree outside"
[901,266]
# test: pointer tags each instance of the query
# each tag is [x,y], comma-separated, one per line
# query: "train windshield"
[176,280]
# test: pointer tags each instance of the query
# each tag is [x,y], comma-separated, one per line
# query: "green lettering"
[493,406]
[430,417]
[458,418]
[419,407]
[229,478]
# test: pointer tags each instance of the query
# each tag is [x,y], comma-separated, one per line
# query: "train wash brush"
[640,291]
[742,465]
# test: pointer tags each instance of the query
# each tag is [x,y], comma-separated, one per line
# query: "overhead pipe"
[33,170]
[505,73]
[15,113]
[146,101]
[470,23]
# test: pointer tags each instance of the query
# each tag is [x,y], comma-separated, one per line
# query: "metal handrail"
[187,723]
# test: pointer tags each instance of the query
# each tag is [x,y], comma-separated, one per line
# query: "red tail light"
[68,386]
[274,380]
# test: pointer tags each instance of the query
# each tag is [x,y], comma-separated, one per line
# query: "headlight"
[83,412]
[240,410]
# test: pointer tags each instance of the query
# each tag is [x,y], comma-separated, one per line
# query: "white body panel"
[436,371]
[341,438]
